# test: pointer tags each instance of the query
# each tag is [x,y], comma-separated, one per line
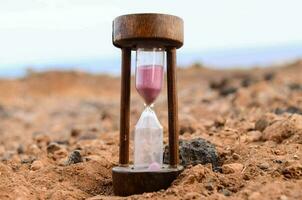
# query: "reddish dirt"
[254,117]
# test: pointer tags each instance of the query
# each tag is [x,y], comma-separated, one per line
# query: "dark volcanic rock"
[291,110]
[261,124]
[269,76]
[74,157]
[219,84]
[223,86]
[75,132]
[20,149]
[295,86]
[248,81]
[62,142]
[228,90]
[196,151]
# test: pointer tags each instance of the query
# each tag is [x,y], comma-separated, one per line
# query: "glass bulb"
[149,73]
[148,142]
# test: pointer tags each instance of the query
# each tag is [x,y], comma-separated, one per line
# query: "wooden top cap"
[147,29]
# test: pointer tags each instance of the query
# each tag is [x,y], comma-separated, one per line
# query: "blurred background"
[76,34]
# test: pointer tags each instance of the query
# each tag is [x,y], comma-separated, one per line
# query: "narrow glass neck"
[149,106]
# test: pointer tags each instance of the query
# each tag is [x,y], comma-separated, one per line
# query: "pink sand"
[149,81]
[154,166]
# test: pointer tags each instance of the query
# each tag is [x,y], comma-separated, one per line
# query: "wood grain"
[172,106]
[127,181]
[125,107]
[147,29]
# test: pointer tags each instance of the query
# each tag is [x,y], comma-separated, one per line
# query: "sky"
[41,31]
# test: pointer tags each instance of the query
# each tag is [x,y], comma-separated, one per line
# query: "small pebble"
[269,76]
[261,124]
[277,152]
[62,142]
[26,159]
[226,192]
[296,157]
[232,168]
[246,82]
[36,165]
[295,86]
[264,166]
[218,84]
[20,149]
[75,133]
[209,186]
[236,156]
[74,157]
[219,122]
[290,109]
[278,161]
[52,147]
[228,90]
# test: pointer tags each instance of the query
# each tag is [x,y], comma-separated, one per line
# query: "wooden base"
[128,181]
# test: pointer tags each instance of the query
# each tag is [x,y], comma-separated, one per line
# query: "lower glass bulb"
[148,142]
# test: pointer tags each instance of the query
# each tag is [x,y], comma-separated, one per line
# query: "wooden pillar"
[172,106]
[125,107]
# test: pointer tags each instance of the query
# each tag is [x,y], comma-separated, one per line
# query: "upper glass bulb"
[149,73]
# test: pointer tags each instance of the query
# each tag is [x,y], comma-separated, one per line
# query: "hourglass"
[152,36]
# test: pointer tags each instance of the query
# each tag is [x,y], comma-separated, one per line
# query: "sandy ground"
[59,134]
